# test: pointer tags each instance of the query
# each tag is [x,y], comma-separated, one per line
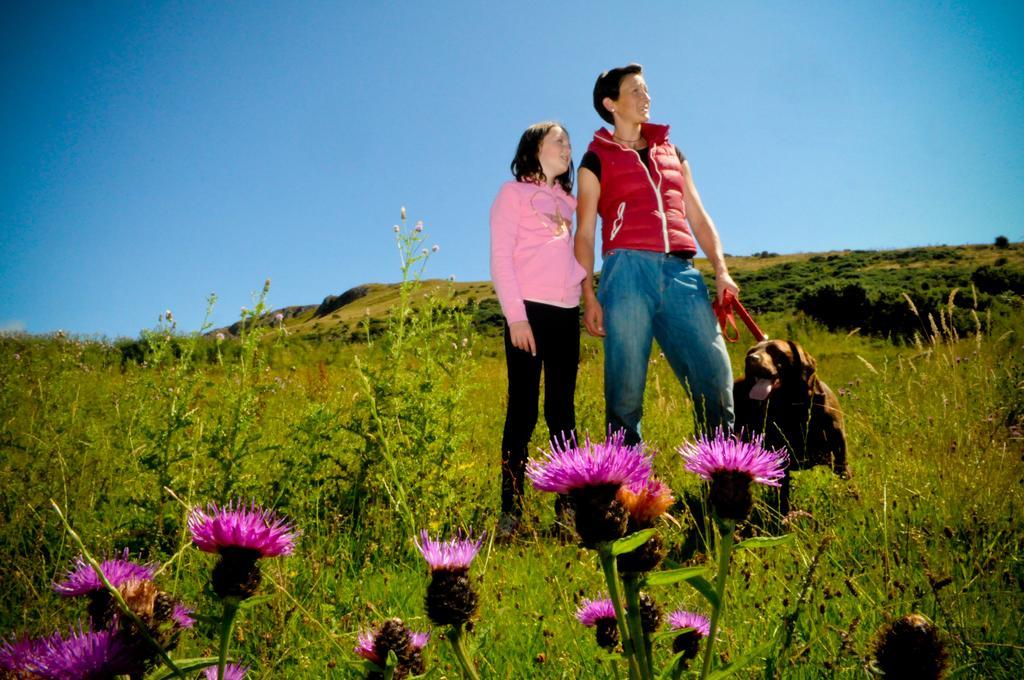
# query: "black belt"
[682,254]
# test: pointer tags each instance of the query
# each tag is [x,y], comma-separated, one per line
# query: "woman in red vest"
[652,220]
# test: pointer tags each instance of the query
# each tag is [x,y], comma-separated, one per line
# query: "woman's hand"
[522,336]
[593,316]
[724,282]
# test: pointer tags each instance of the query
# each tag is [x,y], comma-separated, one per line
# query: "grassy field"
[363,443]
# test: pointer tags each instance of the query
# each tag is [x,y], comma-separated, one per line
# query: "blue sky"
[151,153]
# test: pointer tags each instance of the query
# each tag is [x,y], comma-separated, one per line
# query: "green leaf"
[186,666]
[661,635]
[664,578]
[670,666]
[763,542]
[704,587]
[631,542]
[740,663]
[251,602]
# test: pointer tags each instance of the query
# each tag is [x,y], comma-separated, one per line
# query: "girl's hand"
[522,336]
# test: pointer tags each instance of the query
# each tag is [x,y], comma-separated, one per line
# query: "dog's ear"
[803,362]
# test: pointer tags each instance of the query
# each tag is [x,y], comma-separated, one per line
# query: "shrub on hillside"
[486,316]
[996,280]
[886,313]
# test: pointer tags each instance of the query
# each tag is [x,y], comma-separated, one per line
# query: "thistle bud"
[910,647]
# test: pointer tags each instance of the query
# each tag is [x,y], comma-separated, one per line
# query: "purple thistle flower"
[88,654]
[454,555]
[592,611]
[567,468]
[732,465]
[435,248]
[235,526]
[450,598]
[364,647]
[419,227]
[19,657]
[83,579]
[419,640]
[232,671]
[680,619]
[600,614]
[721,453]
[393,636]
[694,628]
[182,616]
[241,536]
[592,475]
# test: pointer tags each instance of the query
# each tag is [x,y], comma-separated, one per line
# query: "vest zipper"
[617,224]
[657,191]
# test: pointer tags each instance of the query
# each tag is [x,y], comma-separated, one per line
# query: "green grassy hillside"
[844,290]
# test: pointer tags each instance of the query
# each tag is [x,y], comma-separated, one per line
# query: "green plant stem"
[116,594]
[725,529]
[611,576]
[636,629]
[459,647]
[389,458]
[227,622]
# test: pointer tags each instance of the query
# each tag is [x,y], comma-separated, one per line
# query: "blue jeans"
[648,295]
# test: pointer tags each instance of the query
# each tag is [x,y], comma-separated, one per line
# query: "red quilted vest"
[641,207]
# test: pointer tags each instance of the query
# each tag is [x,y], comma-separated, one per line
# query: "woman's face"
[555,153]
[633,104]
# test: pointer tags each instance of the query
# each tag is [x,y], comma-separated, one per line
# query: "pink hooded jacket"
[531,248]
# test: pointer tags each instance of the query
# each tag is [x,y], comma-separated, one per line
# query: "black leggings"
[556,331]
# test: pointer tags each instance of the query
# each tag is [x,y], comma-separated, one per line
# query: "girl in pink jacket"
[538,283]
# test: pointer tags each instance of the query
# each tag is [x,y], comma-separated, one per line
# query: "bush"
[886,312]
[487,316]
[996,280]
[1002,242]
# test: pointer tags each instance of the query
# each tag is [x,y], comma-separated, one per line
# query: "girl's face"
[633,104]
[555,153]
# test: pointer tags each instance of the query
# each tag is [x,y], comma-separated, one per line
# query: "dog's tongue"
[761,389]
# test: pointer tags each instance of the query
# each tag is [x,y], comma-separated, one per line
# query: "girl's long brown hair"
[526,165]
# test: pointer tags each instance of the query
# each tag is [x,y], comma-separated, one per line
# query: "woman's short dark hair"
[526,164]
[607,85]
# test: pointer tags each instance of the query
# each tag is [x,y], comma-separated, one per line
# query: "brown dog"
[781,396]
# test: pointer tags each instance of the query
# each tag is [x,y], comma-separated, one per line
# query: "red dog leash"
[724,312]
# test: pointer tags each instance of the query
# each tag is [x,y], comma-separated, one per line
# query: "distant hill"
[343,314]
[848,289]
